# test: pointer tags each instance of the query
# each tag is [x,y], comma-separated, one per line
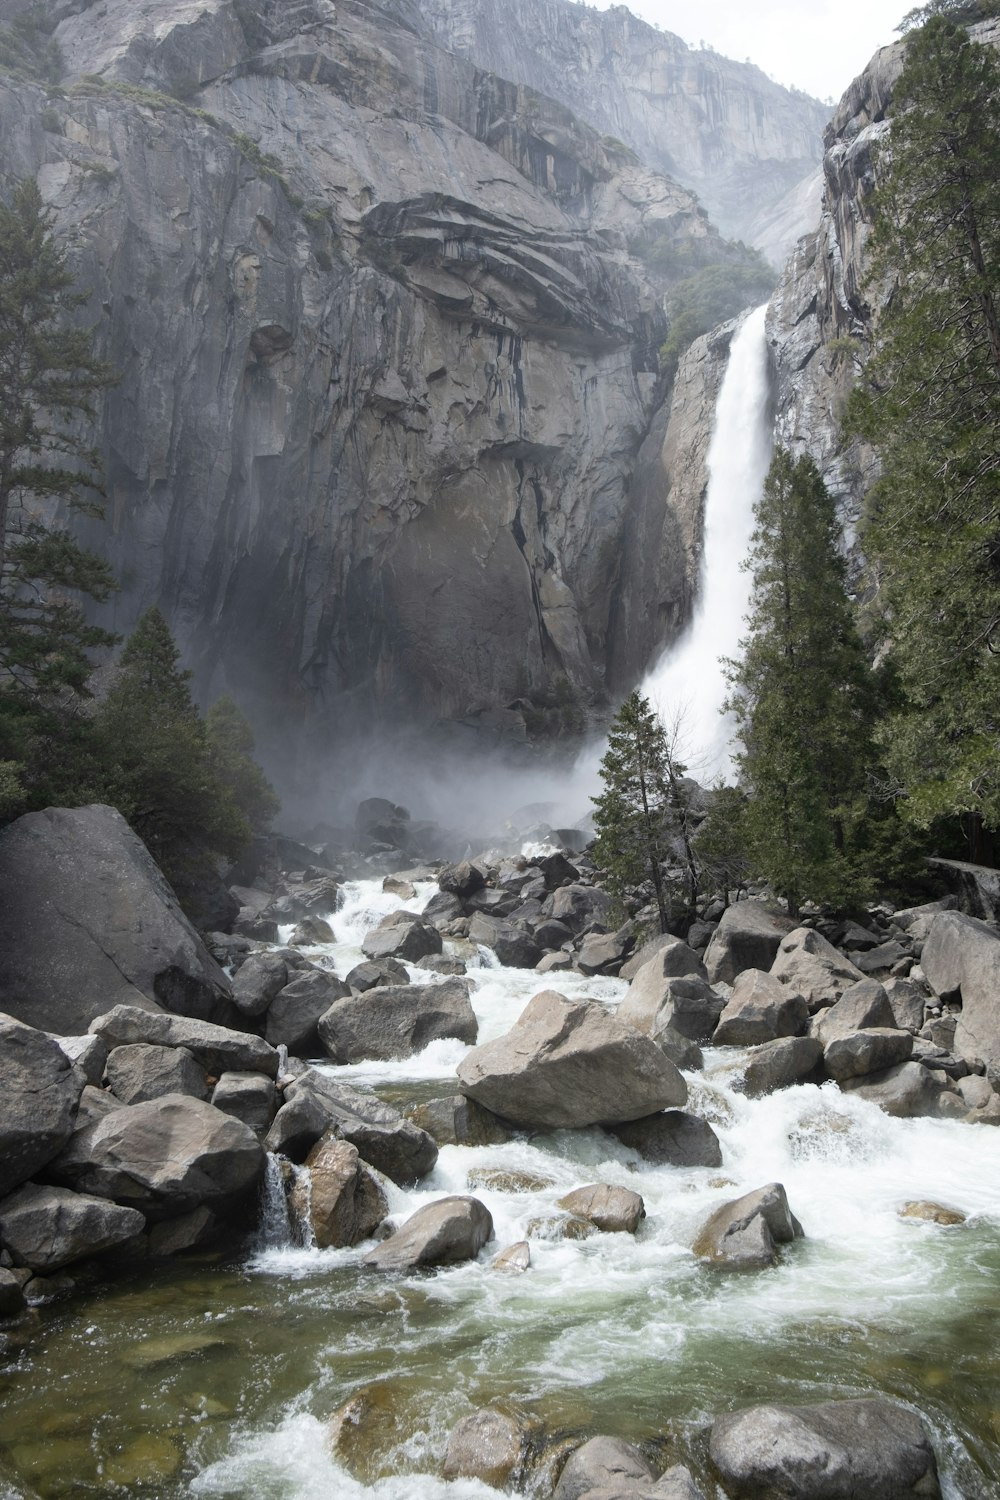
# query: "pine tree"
[48,379]
[162,775]
[634,815]
[930,403]
[802,693]
[230,746]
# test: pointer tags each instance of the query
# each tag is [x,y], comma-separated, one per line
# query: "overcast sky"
[816,45]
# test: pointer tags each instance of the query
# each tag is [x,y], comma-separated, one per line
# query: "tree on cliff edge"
[49,377]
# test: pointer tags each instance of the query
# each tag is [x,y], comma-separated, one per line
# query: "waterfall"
[274,1229]
[687,684]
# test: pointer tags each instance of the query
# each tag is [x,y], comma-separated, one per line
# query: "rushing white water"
[687,685]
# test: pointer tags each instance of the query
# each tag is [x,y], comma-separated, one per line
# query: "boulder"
[310,932]
[458,1121]
[780,1064]
[645,954]
[47,1228]
[141,1071]
[556,870]
[604,953]
[436,963]
[403,936]
[550,934]
[603,1463]
[866,1052]
[442,909]
[87,921]
[835,1450]
[342,1200]
[747,937]
[568,1064]
[885,957]
[760,1009]
[216,1048]
[961,958]
[12,1304]
[612,1209]
[493,903]
[486,1445]
[861,1006]
[165,1157]
[39,1095]
[370,974]
[907,1002]
[515,948]
[933,1213]
[295,1012]
[395,1147]
[440,1234]
[682,1052]
[672,1138]
[514,1258]
[461,880]
[579,907]
[686,1003]
[87,1053]
[905,1091]
[397,1021]
[744,1235]
[813,968]
[393,885]
[249,1097]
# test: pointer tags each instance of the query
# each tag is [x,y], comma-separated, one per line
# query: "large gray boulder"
[164,1158]
[579,906]
[744,1235]
[865,1052]
[440,1234]
[316,1103]
[257,981]
[747,937]
[140,1072]
[46,1228]
[567,1064]
[836,1450]
[294,1014]
[684,1002]
[39,1095]
[813,968]
[861,1006]
[249,1097]
[760,1009]
[961,959]
[404,936]
[603,1463]
[780,1065]
[673,1138]
[340,1198]
[216,1048]
[397,1021]
[458,1121]
[905,1091]
[87,922]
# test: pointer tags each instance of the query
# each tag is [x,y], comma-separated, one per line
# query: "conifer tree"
[929,402]
[802,693]
[230,746]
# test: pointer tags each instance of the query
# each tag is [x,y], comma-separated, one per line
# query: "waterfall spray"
[687,685]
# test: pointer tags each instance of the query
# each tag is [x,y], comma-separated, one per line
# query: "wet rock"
[295,1012]
[747,937]
[397,1021]
[436,963]
[443,1233]
[567,1064]
[12,1304]
[392,885]
[515,1258]
[86,1053]
[458,1121]
[495,1179]
[579,907]
[249,1097]
[611,1209]
[744,1235]
[87,921]
[370,974]
[672,1138]
[461,880]
[39,1094]
[191,1231]
[47,1228]
[487,1445]
[676,1484]
[554,963]
[603,1463]
[760,1009]
[780,1064]
[835,1450]
[905,1091]
[442,909]
[164,1157]
[141,1071]
[402,936]
[257,981]
[343,1202]
[866,1052]
[216,1048]
[366,1427]
[395,1147]
[961,957]
[933,1213]
[813,968]
[310,932]
[560,1227]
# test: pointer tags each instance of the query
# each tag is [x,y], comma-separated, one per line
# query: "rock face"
[441,1234]
[39,1094]
[87,922]
[566,1064]
[835,1450]
[397,1021]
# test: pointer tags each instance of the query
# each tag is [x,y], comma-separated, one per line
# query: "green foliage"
[163,771]
[721,845]
[637,814]
[48,380]
[230,746]
[803,695]
[963,11]
[710,297]
[27,49]
[930,403]
[92,83]
[267,165]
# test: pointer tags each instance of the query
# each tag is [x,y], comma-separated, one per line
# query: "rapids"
[216,1378]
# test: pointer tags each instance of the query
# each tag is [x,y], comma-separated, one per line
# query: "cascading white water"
[687,683]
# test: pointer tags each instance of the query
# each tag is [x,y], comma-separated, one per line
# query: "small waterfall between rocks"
[687,684]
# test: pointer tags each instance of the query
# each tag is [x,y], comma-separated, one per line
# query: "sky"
[815,45]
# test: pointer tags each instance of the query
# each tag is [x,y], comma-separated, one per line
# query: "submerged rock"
[608,1208]
[514,1258]
[487,1445]
[933,1213]
[440,1234]
[603,1463]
